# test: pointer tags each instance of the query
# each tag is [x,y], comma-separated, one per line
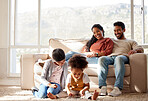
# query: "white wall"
[3,37]
[4,12]
[3,24]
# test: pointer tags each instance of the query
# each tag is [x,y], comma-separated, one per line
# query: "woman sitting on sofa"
[97,46]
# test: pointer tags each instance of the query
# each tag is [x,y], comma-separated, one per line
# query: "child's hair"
[78,61]
[58,54]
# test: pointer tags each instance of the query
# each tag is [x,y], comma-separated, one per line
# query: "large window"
[74,18]
[34,22]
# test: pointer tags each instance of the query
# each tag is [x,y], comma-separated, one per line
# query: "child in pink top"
[53,77]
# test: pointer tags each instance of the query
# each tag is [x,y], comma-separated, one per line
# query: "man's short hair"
[119,23]
[58,54]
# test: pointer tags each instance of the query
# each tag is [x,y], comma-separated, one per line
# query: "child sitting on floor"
[78,82]
[53,77]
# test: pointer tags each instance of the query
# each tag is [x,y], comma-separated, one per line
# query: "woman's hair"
[93,38]
[58,54]
[78,61]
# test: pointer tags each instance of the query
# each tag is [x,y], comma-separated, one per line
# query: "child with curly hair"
[77,81]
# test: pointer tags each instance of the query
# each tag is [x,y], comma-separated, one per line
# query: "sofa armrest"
[27,62]
[138,63]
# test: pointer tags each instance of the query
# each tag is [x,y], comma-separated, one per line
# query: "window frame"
[14,46]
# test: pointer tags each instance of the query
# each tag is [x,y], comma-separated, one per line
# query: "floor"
[14,93]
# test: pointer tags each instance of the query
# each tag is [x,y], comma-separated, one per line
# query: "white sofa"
[135,79]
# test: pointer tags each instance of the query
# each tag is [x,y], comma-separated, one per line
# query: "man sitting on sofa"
[122,49]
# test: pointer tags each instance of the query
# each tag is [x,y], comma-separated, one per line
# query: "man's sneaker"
[34,89]
[103,91]
[115,92]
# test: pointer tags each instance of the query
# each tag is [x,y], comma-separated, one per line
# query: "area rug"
[14,93]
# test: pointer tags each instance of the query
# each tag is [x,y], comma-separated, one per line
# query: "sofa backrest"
[67,45]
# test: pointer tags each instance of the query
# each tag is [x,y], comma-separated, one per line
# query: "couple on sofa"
[106,51]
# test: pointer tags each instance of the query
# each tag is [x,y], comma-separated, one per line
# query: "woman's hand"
[52,85]
[90,54]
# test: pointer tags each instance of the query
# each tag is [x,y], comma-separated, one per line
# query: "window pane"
[26,24]
[68,19]
[146,21]
[146,50]
[137,21]
[15,58]
[44,50]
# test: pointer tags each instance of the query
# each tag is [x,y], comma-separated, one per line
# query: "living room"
[27,25]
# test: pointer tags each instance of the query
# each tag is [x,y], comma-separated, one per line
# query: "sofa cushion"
[37,80]
[38,66]
[92,70]
[67,45]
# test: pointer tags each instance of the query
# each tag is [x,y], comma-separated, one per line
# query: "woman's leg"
[42,93]
[70,54]
[92,60]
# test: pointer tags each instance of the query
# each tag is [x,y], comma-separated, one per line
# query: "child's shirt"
[78,84]
[47,71]
[56,74]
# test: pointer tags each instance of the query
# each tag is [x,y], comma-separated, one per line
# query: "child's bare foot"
[95,95]
[50,95]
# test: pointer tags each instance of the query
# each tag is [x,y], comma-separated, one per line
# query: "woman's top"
[104,46]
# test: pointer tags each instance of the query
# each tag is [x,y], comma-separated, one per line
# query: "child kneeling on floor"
[78,82]
[53,77]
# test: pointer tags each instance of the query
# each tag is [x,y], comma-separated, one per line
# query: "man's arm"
[139,50]
[136,48]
